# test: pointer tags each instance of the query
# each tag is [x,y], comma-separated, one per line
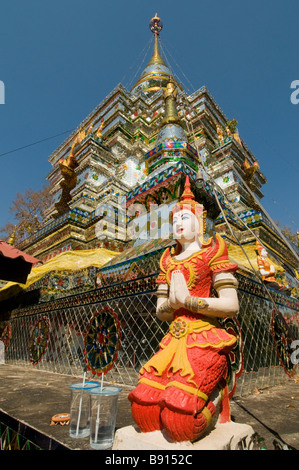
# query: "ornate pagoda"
[124,143]
[114,181]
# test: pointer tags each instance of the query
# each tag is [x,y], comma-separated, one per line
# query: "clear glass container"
[80,409]
[104,404]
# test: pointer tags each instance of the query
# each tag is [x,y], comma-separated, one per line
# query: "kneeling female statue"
[183,386]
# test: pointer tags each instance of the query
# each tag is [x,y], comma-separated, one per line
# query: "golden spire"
[156,26]
[156,74]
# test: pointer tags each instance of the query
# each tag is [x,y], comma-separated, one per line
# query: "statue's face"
[264,252]
[185,226]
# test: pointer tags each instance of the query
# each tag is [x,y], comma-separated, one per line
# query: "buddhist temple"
[114,181]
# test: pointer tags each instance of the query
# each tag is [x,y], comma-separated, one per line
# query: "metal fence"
[52,336]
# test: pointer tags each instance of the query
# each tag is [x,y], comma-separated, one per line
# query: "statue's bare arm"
[177,296]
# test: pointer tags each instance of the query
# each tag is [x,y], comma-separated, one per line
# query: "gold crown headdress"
[258,247]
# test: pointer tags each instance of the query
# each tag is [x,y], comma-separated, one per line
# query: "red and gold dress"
[269,278]
[176,384]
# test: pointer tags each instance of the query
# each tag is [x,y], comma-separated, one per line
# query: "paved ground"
[34,396]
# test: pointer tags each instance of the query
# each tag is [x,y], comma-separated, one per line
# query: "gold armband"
[162,291]
[226,283]
[166,307]
[195,304]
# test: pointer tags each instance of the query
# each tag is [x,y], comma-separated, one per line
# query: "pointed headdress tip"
[258,246]
[187,195]
[187,201]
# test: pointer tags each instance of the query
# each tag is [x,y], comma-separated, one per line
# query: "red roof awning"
[15,265]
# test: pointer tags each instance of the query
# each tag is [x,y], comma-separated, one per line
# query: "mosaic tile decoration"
[12,440]
[16,435]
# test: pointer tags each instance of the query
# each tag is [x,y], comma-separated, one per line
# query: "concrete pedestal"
[223,437]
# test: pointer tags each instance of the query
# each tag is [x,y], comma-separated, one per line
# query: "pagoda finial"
[156,74]
[156,25]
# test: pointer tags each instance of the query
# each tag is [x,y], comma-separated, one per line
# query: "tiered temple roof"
[133,150]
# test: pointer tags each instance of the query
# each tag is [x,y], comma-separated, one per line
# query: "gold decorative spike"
[12,238]
[228,131]
[155,27]
[250,170]
[81,136]
[233,131]
[219,133]
[99,130]
[171,114]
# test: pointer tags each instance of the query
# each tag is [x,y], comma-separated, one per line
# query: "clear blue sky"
[59,59]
